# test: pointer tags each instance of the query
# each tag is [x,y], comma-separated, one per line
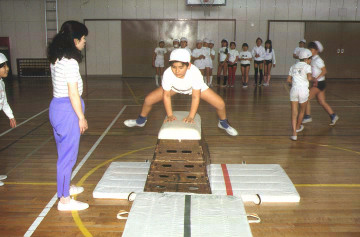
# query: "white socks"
[211,77]
[157,80]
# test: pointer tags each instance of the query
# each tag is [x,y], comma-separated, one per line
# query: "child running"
[245,58]
[158,61]
[299,76]
[258,53]
[222,59]
[232,63]
[270,61]
[319,85]
[184,78]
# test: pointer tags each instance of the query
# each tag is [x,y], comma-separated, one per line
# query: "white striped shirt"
[63,72]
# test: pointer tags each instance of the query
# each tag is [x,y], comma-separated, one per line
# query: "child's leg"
[220,68]
[256,72]
[162,69]
[216,101]
[261,72]
[211,76]
[157,76]
[154,97]
[323,103]
[265,72]
[243,74]
[233,75]
[269,73]
[294,116]
[301,114]
[313,92]
[247,74]
[225,70]
[207,69]
[230,74]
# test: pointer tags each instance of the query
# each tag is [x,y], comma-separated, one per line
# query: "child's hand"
[188,120]
[315,84]
[153,64]
[12,123]
[83,125]
[274,65]
[170,119]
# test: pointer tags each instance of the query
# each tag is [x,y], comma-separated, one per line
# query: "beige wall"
[23,20]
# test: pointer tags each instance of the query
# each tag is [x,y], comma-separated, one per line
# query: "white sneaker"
[230,130]
[132,123]
[333,121]
[2,177]
[74,190]
[294,138]
[73,205]
[307,120]
[1,183]
[300,129]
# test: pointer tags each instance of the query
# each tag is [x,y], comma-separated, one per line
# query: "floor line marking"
[329,185]
[47,208]
[27,120]
[132,92]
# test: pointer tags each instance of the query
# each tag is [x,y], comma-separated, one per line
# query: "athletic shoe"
[293,138]
[307,119]
[300,129]
[132,123]
[265,84]
[1,183]
[73,205]
[230,130]
[74,190]
[2,177]
[333,120]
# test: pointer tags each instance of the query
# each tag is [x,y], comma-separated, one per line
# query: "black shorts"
[223,61]
[258,62]
[233,65]
[267,62]
[245,65]
[321,85]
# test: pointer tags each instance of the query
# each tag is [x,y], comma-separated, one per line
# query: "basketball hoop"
[207,4]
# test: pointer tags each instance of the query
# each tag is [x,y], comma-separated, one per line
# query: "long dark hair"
[63,43]
[268,42]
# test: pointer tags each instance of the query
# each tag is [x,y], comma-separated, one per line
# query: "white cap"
[206,40]
[225,40]
[176,40]
[303,41]
[2,58]
[184,39]
[199,41]
[305,53]
[181,55]
[319,45]
[161,41]
[211,42]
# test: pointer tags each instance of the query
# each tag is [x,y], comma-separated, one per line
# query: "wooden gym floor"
[323,164]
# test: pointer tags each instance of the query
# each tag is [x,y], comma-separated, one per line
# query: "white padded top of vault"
[247,181]
[178,130]
[174,215]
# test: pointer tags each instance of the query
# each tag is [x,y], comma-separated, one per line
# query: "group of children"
[228,57]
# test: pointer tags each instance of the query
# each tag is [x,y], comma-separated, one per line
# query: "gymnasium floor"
[323,164]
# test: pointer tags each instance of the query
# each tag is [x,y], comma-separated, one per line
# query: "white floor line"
[47,208]
[27,120]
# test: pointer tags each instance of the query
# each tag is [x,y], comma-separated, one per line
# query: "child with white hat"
[298,50]
[198,56]
[158,61]
[184,44]
[183,78]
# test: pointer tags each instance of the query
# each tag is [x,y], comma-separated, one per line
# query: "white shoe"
[132,123]
[74,190]
[333,121]
[73,205]
[2,177]
[300,129]
[230,130]
[294,138]
[307,120]
[1,183]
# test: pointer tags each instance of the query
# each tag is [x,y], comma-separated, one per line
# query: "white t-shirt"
[297,52]
[4,105]
[245,54]
[160,52]
[233,54]
[258,50]
[63,72]
[208,52]
[197,52]
[222,53]
[187,48]
[270,55]
[212,52]
[193,80]
[316,64]
[299,73]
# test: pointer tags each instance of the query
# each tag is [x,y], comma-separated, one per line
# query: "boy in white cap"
[158,61]
[298,49]
[318,89]
[299,76]
[4,105]
[198,56]
[184,44]
[184,78]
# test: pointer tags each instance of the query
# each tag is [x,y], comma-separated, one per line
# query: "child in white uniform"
[270,61]
[4,105]
[184,44]
[245,58]
[222,59]
[319,85]
[232,63]
[299,76]
[158,61]
[198,56]
[258,53]
[184,78]
[209,62]
[298,49]
[176,45]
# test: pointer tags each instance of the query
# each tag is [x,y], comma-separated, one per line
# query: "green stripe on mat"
[187,212]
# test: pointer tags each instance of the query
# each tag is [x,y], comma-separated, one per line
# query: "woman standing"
[66,110]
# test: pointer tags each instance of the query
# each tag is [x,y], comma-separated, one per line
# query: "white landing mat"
[178,130]
[175,215]
[248,181]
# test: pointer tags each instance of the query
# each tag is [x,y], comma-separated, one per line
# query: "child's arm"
[195,101]
[289,79]
[309,76]
[8,112]
[168,108]
[323,73]
[212,56]
[76,104]
[273,58]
